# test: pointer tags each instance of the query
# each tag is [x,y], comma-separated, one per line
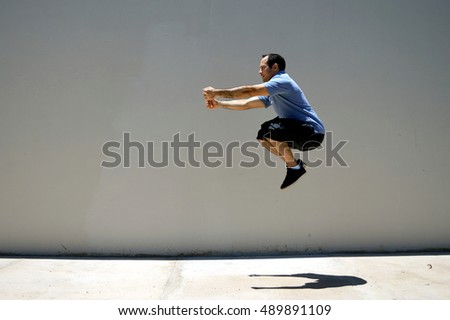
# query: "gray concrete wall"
[77,74]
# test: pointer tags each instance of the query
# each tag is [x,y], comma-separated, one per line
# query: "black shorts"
[298,134]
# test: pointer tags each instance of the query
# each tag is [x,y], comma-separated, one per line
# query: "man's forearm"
[234,93]
[240,104]
[233,104]
[241,92]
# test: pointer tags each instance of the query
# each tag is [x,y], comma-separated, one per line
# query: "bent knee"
[264,142]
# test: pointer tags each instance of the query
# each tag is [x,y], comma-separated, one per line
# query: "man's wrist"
[219,103]
[220,93]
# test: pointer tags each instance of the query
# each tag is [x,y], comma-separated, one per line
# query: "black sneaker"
[293,175]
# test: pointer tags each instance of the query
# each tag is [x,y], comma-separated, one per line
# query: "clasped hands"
[209,95]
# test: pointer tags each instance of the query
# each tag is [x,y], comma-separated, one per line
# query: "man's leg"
[281,150]
[295,168]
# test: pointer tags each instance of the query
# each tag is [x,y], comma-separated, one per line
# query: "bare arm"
[242,104]
[237,92]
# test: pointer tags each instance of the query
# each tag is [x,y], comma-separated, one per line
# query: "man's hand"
[212,104]
[209,93]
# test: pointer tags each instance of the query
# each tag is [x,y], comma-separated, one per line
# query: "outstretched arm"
[242,104]
[236,93]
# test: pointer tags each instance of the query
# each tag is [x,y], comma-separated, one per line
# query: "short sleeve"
[265,100]
[277,86]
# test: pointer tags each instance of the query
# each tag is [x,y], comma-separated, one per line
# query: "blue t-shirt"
[289,101]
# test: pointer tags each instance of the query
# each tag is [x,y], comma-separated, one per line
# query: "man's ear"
[275,67]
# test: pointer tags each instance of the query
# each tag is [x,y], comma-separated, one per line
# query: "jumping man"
[297,125]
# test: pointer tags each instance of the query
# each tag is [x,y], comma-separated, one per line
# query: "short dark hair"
[273,58]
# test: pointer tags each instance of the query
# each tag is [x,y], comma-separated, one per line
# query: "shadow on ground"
[322,281]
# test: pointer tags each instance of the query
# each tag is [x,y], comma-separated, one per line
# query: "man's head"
[270,65]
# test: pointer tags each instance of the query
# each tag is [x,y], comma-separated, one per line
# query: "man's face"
[265,72]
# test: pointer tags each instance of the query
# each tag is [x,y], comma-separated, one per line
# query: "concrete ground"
[385,277]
